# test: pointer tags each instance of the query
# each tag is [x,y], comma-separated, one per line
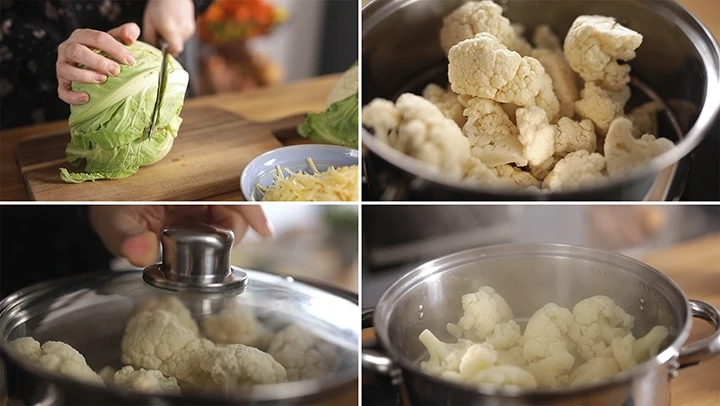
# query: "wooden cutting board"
[209,153]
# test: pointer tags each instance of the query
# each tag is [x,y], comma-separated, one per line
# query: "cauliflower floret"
[545,38]
[382,116]
[547,332]
[505,335]
[58,358]
[475,359]
[601,106]
[574,136]
[482,311]
[645,118]
[237,365]
[473,18]
[512,356]
[447,102]
[625,154]
[443,356]
[563,79]
[593,46]
[536,134]
[595,369]
[303,355]
[236,324]
[554,370]
[520,178]
[506,376]
[477,171]
[425,133]
[484,67]
[144,380]
[648,346]
[170,304]
[628,352]
[157,340]
[576,169]
[598,320]
[494,138]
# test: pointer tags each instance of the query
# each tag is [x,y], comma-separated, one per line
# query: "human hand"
[134,231]
[174,20]
[78,50]
[618,227]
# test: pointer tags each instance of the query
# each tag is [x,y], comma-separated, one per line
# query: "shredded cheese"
[335,184]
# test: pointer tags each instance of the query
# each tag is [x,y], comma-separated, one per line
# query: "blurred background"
[241,45]
[398,238]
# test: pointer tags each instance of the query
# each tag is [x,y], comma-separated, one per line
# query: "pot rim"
[268,392]
[699,35]
[477,255]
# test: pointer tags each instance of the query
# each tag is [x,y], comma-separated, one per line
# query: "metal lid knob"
[196,257]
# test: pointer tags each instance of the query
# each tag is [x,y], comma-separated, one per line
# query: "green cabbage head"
[108,132]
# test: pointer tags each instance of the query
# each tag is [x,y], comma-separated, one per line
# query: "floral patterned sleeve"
[30,32]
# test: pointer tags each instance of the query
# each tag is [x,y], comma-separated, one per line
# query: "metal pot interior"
[527,276]
[90,314]
[678,59]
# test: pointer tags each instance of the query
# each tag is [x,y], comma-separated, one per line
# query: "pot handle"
[706,348]
[374,360]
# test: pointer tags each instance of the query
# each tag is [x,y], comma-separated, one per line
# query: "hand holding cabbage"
[107,132]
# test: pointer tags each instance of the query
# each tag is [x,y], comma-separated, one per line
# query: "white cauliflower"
[563,79]
[645,118]
[477,171]
[443,356]
[476,358]
[598,321]
[484,67]
[236,324]
[506,376]
[593,370]
[382,116]
[545,38]
[473,18]
[170,304]
[521,179]
[595,44]
[554,370]
[574,136]
[546,346]
[237,365]
[629,352]
[577,169]
[482,311]
[58,358]
[536,134]
[512,356]
[624,153]
[505,335]
[494,138]
[157,340]
[303,355]
[601,106]
[144,380]
[447,102]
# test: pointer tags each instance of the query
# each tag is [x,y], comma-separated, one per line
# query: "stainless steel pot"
[679,62]
[90,312]
[529,276]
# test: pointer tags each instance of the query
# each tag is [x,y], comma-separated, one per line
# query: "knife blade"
[162,84]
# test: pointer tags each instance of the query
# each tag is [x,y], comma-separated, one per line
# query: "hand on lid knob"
[134,231]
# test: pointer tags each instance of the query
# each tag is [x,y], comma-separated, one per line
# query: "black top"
[39,242]
[30,32]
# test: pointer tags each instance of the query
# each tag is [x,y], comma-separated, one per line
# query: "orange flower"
[214,13]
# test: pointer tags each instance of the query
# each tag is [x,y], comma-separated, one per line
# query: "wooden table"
[267,104]
[708,11]
[695,267]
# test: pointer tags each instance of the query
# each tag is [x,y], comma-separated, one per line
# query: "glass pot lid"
[282,316]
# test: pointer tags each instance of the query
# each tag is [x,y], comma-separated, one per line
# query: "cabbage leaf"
[107,133]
